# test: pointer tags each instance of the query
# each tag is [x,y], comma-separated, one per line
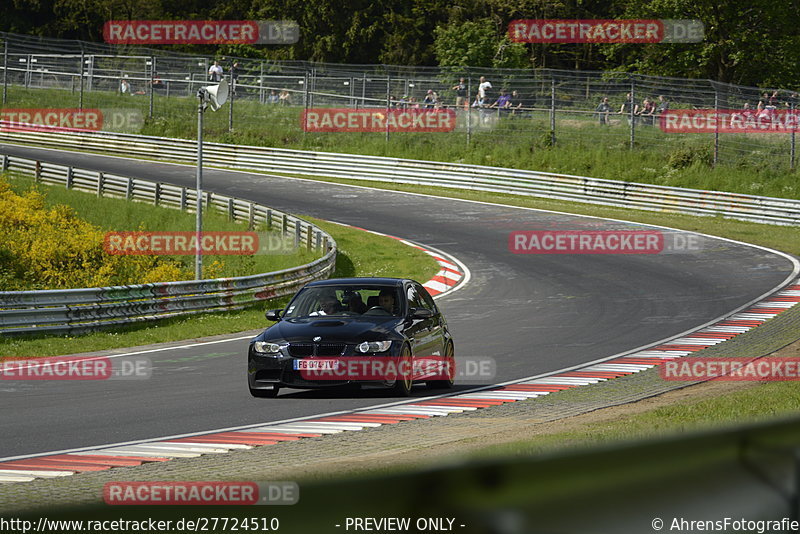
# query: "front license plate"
[315,365]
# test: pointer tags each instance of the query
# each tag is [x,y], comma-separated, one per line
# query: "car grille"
[304,350]
[301,350]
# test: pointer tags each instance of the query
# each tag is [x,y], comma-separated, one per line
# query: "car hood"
[338,329]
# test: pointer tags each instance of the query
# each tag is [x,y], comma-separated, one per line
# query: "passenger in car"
[329,305]
[356,304]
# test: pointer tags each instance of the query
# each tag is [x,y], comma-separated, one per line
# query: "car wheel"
[403,383]
[450,362]
[270,393]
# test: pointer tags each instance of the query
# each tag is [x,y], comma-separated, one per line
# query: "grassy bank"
[360,254]
[113,214]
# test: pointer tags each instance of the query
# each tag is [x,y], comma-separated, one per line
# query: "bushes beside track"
[52,248]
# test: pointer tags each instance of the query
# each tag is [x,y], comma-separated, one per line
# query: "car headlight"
[266,347]
[373,346]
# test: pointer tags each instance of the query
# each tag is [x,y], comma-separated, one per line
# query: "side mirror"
[421,313]
[273,315]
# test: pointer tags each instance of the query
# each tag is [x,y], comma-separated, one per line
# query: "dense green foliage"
[754,43]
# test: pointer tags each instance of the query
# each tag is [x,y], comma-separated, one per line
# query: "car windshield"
[346,300]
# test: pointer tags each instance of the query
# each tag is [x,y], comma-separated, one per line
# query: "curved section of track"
[533,313]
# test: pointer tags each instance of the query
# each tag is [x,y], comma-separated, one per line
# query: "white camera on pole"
[214,96]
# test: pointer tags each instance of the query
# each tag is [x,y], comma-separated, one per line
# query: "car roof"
[378,281]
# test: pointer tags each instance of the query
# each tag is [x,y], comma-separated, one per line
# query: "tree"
[754,43]
[477,44]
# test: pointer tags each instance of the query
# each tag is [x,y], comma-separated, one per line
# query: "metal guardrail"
[71,310]
[605,192]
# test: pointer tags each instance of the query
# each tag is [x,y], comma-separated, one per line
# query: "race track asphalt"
[533,313]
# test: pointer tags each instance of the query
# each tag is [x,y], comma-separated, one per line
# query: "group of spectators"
[646,112]
[126,88]
[431,100]
[769,104]
[505,102]
[284,98]
[649,110]
[511,103]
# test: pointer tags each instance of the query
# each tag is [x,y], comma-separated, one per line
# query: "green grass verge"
[755,164]
[784,238]
[756,403]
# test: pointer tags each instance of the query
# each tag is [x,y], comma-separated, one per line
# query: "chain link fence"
[541,107]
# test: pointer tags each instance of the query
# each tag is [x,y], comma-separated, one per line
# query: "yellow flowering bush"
[51,248]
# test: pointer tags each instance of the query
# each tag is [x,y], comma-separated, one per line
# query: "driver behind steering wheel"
[386,300]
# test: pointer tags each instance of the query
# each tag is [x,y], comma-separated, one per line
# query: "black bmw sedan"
[378,331]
